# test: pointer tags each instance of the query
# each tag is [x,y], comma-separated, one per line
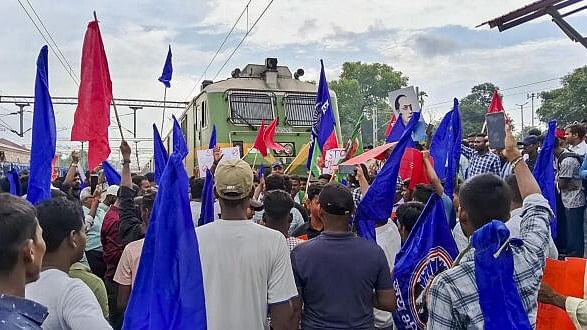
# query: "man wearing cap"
[340,276]
[530,153]
[277,167]
[245,266]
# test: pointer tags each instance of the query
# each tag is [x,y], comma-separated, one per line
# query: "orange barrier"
[565,277]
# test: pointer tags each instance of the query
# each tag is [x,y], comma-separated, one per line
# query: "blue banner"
[377,204]
[168,292]
[112,176]
[544,172]
[167,70]
[44,135]
[429,250]
[160,155]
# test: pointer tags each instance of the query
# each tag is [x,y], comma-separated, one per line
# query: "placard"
[206,158]
[405,102]
[332,158]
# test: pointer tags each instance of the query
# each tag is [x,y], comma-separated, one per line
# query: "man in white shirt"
[575,138]
[389,240]
[246,266]
[71,303]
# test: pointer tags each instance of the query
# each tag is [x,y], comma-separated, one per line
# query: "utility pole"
[522,113]
[21,106]
[374,117]
[532,95]
[134,109]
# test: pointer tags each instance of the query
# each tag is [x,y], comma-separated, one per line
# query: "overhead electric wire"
[505,89]
[243,39]
[51,37]
[245,9]
[70,73]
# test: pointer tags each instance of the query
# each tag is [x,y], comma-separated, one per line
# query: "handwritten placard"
[332,158]
[206,158]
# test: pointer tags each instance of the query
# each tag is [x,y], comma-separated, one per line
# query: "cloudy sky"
[435,43]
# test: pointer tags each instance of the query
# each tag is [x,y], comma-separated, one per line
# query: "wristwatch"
[125,161]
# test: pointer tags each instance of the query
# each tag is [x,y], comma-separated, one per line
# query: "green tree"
[474,106]
[568,103]
[363,87]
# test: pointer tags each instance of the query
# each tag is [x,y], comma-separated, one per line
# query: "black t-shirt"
[306,230]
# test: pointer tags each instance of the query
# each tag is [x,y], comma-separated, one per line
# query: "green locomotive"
[237,105]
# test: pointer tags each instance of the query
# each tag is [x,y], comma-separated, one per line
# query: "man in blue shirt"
[23,248]
[340,277]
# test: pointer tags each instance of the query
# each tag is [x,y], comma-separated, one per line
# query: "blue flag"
[179,144]
[544,172]
[323,122]
[396,131]
[14,181]
[260,171]
[112,176]
[44,135]
[168,292]
[212,143]
[429,250]
[160,156]
[499,298]
[377,204]
[445,148]
[167,70]
[207,205]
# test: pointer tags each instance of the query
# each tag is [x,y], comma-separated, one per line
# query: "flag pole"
[164,103]
[117,119]
[113,103]
[254,160]
[307,185]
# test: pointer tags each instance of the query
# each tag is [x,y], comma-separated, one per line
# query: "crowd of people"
[283,252]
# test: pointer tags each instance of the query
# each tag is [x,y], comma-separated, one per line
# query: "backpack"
[579,158]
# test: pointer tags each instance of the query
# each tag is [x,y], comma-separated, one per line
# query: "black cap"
[336,199]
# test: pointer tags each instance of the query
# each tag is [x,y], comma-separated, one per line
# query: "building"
[11,152]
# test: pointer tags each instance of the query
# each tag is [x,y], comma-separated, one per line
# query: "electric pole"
[522,113]
[374,116]
[21,106]
[531,96]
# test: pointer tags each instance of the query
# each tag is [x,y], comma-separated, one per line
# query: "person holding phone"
[481,160]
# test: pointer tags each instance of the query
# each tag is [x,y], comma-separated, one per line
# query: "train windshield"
[299,109]
[249,108]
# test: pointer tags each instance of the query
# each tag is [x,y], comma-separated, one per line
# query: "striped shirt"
[481,163]
[453,297]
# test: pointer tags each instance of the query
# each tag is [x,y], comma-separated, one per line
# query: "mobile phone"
[347,169]
[496,129]
[93,182]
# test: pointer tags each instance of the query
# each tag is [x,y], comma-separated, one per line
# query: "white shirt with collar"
[580,149]
[389,241]
[513,224]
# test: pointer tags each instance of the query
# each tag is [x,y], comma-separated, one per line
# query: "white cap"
[112,190]
[85,193]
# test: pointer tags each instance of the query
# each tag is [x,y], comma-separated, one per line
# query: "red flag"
[92,116]
[495,105]
[269,137]
[412,167]
[260,140]
[390,125]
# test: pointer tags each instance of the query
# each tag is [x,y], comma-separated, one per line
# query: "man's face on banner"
[405,108]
